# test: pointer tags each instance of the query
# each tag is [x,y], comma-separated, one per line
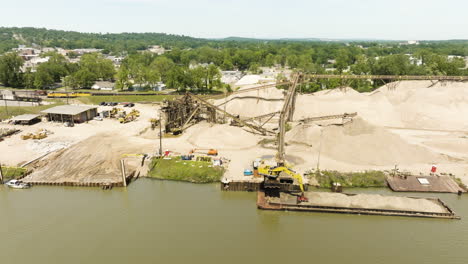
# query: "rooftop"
[68,109]
[27,117]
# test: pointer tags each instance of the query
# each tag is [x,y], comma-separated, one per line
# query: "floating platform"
[364,204]
[436,184]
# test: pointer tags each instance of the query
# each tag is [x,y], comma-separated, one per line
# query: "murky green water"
[169,222]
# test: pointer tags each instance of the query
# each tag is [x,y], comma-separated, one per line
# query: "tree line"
[195,63]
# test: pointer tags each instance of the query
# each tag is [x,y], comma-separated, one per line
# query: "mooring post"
[124,178]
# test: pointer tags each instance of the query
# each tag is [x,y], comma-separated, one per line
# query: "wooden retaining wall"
[79,184]
[241,186]
[84,184]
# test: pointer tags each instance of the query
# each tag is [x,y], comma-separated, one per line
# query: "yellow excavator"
[282,175]
[276,178]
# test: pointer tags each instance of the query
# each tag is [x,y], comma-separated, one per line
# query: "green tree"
[213,77]
[101,67]
[162,65]
[28,79]
[10,70]
[42,78]
[56,67]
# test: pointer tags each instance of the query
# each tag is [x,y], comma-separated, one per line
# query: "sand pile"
[374,201]
[408,104]
[206,135]
[360,142]
[96,159]
[337,91]
[254,103]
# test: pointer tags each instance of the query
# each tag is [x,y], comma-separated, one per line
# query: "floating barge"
[363,204]
[436,184]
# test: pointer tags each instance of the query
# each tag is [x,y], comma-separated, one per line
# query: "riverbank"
[185,170]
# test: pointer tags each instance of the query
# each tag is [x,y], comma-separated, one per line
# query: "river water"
[171,222]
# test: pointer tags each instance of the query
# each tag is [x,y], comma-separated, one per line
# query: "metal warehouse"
[71,113]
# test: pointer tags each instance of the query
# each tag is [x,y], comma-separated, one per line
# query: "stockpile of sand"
[443,106]
[408,104]
[360,142]
[96,159]
[374,201]
[205,135]
[254,103]
[375,109]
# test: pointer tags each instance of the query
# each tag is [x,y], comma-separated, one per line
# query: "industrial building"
[26,119]
[71,113]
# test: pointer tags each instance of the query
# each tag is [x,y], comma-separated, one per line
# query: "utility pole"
[6,106]
[160,134]
[319,150]
[66,92]
[1,174]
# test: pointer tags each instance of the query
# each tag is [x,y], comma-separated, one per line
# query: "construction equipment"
[278,178]
[125,118]
[114,112]
[154,123]
[210,152]
[40,134]
[282,175]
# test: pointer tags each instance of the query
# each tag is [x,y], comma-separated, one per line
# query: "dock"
[435,184]
[361,204]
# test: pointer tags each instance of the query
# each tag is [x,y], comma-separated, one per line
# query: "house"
[196,65]
[7,95]
[33,63]
[160,86]
[71,113]
[84,51]
[102,85]
[27,53]
[157,49]
[115,60]
[414,60]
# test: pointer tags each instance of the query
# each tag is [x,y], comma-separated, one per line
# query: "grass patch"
[350,179]
[124,98]
[20,110]
[10,173]
[459,182]
[185,170]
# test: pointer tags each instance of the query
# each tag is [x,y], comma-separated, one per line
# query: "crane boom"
[286,114]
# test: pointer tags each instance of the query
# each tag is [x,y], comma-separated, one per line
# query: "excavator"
[282,175]
[276,178]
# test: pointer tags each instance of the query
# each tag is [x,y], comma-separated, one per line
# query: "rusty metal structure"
[181,112]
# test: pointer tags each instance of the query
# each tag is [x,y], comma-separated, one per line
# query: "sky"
[336,19]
